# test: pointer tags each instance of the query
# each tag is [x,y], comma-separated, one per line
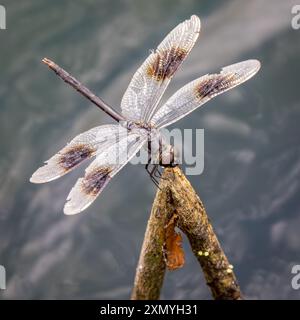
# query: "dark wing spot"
[166,63]
[214,84]
[95,180]
[75,155]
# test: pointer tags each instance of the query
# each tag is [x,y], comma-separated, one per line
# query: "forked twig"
[177,195]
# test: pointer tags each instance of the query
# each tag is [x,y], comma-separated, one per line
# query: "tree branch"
[151,266]
[176,195]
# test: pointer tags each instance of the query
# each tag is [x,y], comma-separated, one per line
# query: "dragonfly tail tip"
[48,62]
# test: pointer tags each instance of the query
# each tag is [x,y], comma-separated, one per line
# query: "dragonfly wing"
[101,171]
[152,78]
[201,90]
[81,148]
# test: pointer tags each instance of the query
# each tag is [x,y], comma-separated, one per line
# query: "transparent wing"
[201,90]
[81,148]
[152,78]
[101,171]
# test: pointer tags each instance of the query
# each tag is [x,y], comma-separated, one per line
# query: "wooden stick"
[151,266]
[64,75]
[177,195]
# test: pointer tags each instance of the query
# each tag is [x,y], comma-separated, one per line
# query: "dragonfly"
[141,118]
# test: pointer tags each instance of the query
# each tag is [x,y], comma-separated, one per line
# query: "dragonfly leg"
[153,176]
[151,172]
[157,173]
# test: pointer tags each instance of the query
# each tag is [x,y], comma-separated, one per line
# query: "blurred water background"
[250,184]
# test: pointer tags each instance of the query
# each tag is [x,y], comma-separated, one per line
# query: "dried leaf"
[174,254]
